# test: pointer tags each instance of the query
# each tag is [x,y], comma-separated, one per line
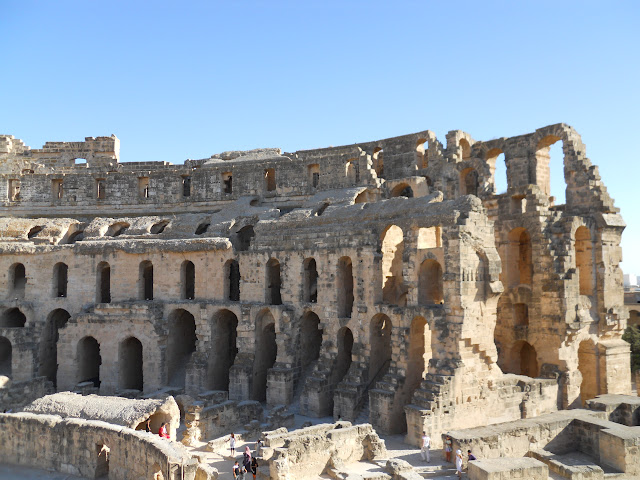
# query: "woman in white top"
[232,444]
[459,463]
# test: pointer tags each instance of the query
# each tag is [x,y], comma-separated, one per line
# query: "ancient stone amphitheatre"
[334,302]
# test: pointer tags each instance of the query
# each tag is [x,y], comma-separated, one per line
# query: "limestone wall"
[75,446]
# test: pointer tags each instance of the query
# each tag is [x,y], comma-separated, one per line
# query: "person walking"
[254,467]
[425,447]
[448,449]
[232,445]
[459,463]
[246,459]
[237,471]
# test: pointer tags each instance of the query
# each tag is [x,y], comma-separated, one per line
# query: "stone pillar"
[615,370]
[240,382]
[279,386]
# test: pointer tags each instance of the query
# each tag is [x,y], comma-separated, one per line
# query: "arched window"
[243,238]
[130,361]
[188,280]
[60,271]
[145,280]
[380,342]
[519,258]
[402,190]
[345,287]
[394,291]
[497,164]
[181,345]
[224,334]
[547,167]
[422,153]
[12,318]
[584,260]
[232,281]
[103,282]
[430,285]
[89,360]
[353,172]
[465,149]
[49,344]
[310,288]
[311,339]
[266,354]
[18,280]
[378,161]
[345,355]
[469,182]
[274,282]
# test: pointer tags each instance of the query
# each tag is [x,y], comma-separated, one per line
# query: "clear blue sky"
[177,80]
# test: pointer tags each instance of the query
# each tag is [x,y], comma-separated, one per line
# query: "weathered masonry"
[386,277]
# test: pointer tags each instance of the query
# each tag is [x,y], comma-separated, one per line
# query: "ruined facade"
[386,278]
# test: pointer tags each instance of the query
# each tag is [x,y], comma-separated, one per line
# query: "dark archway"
[103,283]
[394,291]
[274,282]
[244,238]
[13,318]
[345,287]
[232,281]
[344,357]
[5,357]
[310,285]
[310,339]
[17,280]
[181,345]
[224,348]
[60,279]
[145,282]
[49,344]
[188,280]
[430,288]
[130,360]
[89,360]
[380,342]
[266,353]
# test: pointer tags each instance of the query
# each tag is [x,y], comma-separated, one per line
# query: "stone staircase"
[576,466]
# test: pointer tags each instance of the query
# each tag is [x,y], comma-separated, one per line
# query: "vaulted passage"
[145,281]
[49,344]
[18,280]
[188,280]
[380,341]
[430,289]
[103,282]
[266,352]
[469,181]
[274,282]
[345,287]
[310,287]
[5,357]
[180,346]
[224,349]
[419,352]
[394,291]
[12,318]
[310,339]
[60,272]
[584,260]
[232,281]
[345,355]
[89,360]
[130,361]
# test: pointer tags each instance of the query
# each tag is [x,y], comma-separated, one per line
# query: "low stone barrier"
[14,395]
[91,449]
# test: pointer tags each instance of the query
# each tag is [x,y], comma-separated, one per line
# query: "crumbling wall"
[14,395]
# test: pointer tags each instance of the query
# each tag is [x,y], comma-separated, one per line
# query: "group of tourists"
[249,461]
[425,448]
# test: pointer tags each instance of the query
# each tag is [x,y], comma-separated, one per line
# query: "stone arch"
[353,171]
[130,361]
[310,339]
[422,153]
[232,280]
[224,347]
[180,346]
[243,238]
[634,318]
[145,280]
[588,367]
[188,280]
[344,357]
[56,320]
[378,161]
[543,162]
[419,353]
[523,360]
[498,170]
[465,148]
[266,353]
[583,247]
[13,318]
[345,287]
[103,283]
[88,359]
[519,263]
[116,229]
[17,280]
[380,343]
[6,355]
[469,182]
[394,291]
[402,190]
[430,283]
[273,282]
[310,284]
[60,279]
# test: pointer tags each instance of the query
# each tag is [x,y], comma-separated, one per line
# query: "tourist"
[163,431]
[459,463]
[448,449]
[425,446]
[254,467]
[232,445]
[147,427]
[258,448]
[471,455]
[246,459]
[238,474]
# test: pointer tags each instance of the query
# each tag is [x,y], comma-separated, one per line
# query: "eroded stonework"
[385,279]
